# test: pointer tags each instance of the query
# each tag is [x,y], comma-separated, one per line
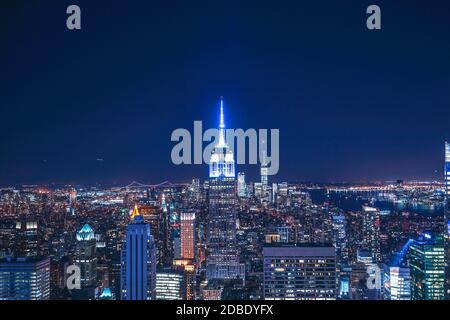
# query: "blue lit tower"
[138,274]
[222,260]
[86,256]
[447,218]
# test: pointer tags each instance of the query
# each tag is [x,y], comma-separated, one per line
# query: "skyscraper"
[188,241]
[25,279]
[242,187]
[265,195]
[339,236]
[85,255]
[427,267]
[138,274]
[447,218]
[170,285]
[222,261]
[371,232]
[299,272]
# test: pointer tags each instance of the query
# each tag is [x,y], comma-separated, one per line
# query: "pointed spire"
[222,121]
[221,143]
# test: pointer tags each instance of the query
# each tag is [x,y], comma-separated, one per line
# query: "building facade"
[85,256]
[427,266]
[222,260]
[299,272]
[25,278]
[138,265]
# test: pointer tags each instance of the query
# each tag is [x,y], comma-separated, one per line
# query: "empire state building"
[222,260]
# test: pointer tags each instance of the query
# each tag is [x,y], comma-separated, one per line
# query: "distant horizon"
[118,185]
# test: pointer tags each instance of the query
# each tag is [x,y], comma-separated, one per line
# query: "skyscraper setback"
[138,274]
[222,260]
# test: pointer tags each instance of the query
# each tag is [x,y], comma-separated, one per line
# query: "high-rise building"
[187,266]
[170,285]
[426,261]
[187,233]
[85,256]
[27,239]
[25,278]
[264,179]
[447,218]
[285,233]
[299,272]
[242,187]
[195,190]
[396,283]
[397,276]
[339,236]
[222,261]
[138,265]
[371,232]
[153,215]
[72,200]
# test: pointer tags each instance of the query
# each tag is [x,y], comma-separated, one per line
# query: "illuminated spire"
[222,161]
[135,212]
[221,143]
[222,122]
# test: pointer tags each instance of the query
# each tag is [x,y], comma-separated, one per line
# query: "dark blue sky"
[351,104]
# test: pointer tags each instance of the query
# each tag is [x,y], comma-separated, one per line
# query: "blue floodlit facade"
[222,260]
[138,273]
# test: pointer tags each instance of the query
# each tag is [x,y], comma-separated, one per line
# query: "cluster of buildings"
[225,238]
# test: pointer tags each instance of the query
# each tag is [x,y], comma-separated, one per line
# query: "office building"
[85,255]
[25,278]
[426,261]
[299,272]
[222,260]
[138,265]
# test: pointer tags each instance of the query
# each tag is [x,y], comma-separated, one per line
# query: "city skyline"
[351,104]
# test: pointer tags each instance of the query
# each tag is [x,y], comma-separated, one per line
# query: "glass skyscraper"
[138,274]
[222,260]
[427,267]
[25,278]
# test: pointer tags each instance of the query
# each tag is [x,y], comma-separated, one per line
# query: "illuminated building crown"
[222,160]
[135,212]
[86,233]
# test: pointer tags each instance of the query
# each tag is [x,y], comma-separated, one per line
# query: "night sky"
[351,104]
